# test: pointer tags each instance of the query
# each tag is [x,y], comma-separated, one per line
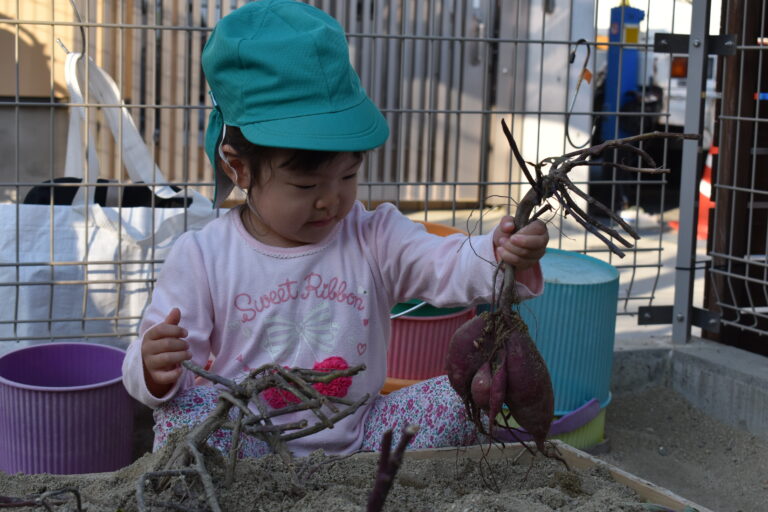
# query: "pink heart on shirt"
[365,322]
[361,347]
[337,387]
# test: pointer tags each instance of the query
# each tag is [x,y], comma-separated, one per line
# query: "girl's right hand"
[162,351]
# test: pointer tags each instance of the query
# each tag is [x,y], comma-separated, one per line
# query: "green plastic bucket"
[573,324]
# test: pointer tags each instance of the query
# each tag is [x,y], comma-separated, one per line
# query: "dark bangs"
[306,160]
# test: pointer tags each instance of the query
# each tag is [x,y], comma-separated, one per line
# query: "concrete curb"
[726,383]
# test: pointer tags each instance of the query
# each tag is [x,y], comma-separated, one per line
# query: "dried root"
[555,183]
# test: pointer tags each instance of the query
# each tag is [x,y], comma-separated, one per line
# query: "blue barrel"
[573,324]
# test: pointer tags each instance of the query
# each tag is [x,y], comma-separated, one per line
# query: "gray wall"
[37,153]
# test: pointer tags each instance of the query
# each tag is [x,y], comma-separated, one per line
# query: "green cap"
[279,70]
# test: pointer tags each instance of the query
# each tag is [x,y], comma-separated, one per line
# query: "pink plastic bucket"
[64,410]
[418,344]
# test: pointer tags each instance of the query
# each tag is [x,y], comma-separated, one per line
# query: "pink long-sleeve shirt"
[246,304]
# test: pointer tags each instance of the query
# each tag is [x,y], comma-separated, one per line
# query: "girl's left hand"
[524,248]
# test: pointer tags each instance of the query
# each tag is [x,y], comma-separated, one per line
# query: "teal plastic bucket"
[574,325]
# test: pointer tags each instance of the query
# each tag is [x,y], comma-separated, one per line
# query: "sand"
[454,484]
[656,435]
[653,434]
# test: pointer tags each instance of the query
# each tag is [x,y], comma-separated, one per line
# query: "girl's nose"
[327,201]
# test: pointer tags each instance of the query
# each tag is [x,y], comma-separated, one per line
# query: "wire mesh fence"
[738,275]
[444,73]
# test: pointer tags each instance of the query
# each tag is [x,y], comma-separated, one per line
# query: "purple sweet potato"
[481,386]
[529,394]
[498,391]
[492,362]
[469,349]
[489,385]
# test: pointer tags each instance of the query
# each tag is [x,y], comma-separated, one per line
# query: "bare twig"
[244,397]
[11,502]
[146,478]
[306,470]
[233,449]
[42,500]
[335,419]
[50,494]
[591,224]
[389,464]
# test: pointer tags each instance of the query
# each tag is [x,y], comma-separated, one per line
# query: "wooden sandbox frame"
[575,458]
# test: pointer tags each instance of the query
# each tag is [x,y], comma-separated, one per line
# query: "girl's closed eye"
[303,186]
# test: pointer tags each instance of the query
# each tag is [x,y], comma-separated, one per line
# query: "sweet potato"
[489,386]
[492,362]
[481,386]
[499,383]
[470,347]
[529,394]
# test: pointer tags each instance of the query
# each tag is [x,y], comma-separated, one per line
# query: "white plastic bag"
[84,271]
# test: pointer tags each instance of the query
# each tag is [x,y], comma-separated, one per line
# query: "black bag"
[106,195]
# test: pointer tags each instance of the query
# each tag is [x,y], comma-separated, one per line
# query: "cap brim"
[358,128]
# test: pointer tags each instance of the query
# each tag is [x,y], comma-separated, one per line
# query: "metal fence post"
[692,158]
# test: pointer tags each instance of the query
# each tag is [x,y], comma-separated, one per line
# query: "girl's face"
[290,207]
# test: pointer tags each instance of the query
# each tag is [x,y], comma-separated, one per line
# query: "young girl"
[303,275]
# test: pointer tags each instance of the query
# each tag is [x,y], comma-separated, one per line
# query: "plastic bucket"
[582,428]
[64,410]
[586,436]
[419,340]
[573,324]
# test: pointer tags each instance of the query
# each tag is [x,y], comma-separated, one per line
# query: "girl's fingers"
[520,242]
[169,359]
[166,331]
[531,236]
[174,317]
[164,353]
[525,245]
[536,227]
[515,260]
[166,376]
[152,347]
[507,225]
[522,252]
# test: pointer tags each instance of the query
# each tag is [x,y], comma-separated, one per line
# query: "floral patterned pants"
[431,404]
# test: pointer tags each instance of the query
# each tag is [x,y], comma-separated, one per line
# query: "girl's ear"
[235,167]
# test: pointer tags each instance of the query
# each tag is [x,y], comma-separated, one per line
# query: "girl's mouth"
[321,223]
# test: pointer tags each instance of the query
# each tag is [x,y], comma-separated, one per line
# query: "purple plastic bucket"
[64,410]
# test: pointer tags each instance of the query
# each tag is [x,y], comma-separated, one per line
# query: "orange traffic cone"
[705,201]
[705,196]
